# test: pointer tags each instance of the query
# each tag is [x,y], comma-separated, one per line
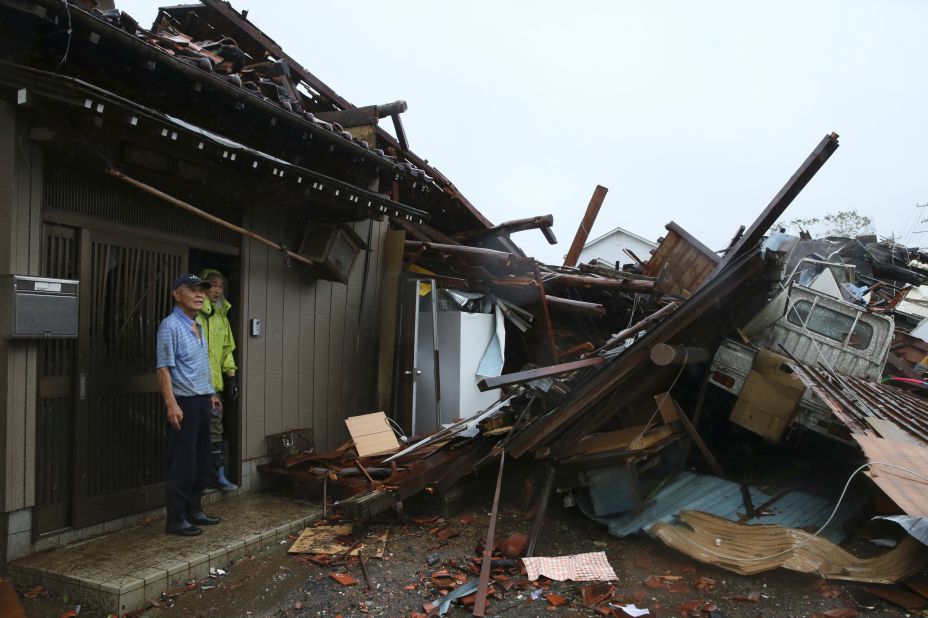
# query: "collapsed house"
[604,376]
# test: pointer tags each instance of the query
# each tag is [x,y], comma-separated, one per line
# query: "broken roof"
[238,85]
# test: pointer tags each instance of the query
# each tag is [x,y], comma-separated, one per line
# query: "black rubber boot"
[195,512]
[177,524]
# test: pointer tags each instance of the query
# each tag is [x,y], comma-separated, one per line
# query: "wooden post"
[586,224]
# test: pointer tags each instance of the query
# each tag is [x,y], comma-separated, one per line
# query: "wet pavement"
[266,581]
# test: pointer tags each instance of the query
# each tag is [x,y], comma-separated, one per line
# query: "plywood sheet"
[372,434]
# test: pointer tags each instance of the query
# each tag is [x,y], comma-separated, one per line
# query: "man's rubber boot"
[217,461]
[177,524]
[222,482]
[195,512]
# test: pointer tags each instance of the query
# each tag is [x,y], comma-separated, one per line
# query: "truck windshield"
[831,324]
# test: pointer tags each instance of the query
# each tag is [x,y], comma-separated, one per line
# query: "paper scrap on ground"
[591,567]
[326,540]
[632,610]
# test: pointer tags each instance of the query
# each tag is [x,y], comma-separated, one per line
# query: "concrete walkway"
[122,571]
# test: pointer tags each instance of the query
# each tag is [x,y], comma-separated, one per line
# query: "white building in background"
[611,246]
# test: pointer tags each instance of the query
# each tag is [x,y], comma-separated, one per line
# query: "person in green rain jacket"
[213,318]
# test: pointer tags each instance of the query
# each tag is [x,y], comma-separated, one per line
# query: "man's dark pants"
[189,454]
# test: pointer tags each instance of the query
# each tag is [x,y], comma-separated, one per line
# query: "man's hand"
[231,387]
[215,401]
[175,416]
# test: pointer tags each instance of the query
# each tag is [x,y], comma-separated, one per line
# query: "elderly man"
[184,378]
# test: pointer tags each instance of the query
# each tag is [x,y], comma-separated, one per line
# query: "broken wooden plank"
[603,283]
[530,375]
[586,224]
[750,239]
[567,305]
[639,326]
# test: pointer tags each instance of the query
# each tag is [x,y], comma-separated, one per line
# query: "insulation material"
[491,364]
[748,550]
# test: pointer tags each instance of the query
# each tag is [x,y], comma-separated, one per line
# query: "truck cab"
[816,328]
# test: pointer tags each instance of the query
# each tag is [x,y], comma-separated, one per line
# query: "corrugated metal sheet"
[710,494]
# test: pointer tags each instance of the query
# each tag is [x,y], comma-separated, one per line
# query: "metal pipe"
[205,215]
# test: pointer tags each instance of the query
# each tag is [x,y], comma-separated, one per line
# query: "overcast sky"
[694,112]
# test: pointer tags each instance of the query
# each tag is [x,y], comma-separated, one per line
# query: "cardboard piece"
[769,397]
[372,434]
[327,540]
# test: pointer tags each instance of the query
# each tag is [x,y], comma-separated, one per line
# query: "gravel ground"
[273,583]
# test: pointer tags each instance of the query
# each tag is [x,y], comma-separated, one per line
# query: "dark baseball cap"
[191,280]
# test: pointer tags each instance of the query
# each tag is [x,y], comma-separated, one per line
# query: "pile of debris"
[602,374]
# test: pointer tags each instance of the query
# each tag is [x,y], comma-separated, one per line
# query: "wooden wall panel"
[20,251]
[321,374]
[370,319]
[294,281]
[255,393]
[306,354]
[316,362]
[274,332]
[351,393]
[336,429]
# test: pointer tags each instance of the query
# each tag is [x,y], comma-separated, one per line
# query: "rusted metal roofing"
[909,491]
[860,404]
[890,425]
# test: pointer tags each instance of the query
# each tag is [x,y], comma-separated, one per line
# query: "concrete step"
[122,571]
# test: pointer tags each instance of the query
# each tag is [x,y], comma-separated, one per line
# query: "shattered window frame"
[831,324]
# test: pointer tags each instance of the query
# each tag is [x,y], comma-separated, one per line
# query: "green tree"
[845,223]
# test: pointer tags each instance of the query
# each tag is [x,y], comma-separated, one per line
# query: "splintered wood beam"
[491,257]
[639,326]
[586,224]
[613,273]
[579,281]
[546,315]
[542,222]
[521,377]
[566,305]
[780,201]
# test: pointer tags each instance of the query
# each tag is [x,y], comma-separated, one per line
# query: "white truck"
[817,329]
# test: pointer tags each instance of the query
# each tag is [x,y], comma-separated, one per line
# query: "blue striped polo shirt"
[187,355]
